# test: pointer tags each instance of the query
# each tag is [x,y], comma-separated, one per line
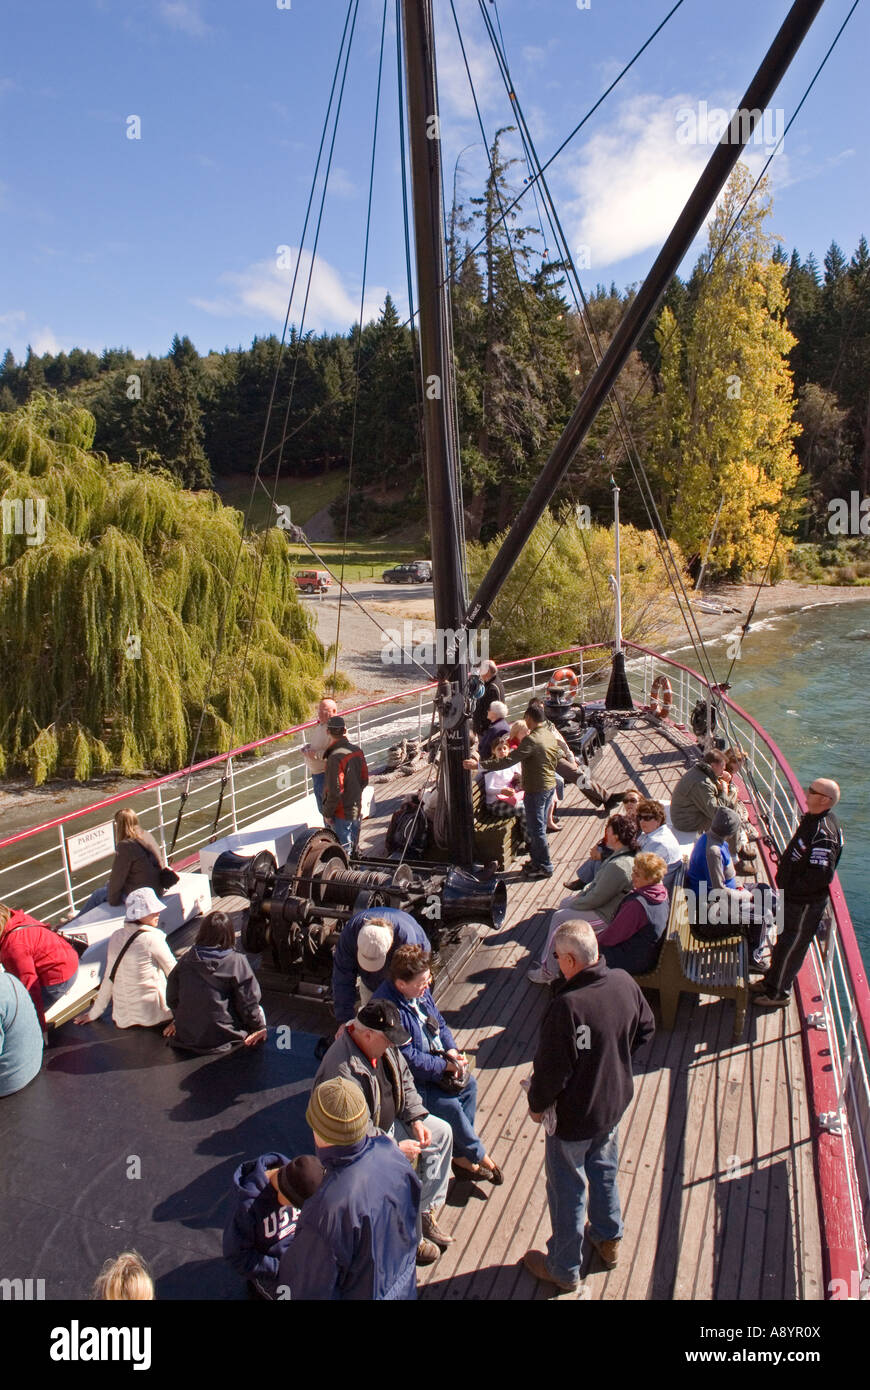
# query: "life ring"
[562,678]
[661,697]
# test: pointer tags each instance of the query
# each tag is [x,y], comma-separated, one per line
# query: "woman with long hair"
[137,864]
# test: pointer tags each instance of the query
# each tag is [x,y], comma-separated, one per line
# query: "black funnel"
[618,694]
[465,898]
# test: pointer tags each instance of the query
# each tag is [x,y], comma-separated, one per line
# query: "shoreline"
[785,597]
[22,804]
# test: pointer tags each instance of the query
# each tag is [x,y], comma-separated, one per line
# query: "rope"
[362,297]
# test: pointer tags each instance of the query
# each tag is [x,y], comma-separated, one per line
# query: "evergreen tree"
[170,422]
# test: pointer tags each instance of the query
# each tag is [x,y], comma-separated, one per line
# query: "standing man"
[596,1020]
[367,1052]
[356,1237]
[806,870]
[365,948]
[537,754]
[492,690]
[347,774]
[314,751]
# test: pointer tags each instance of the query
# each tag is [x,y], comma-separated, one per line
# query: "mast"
[618,695]
[440,433]
[689,223]
[617,580]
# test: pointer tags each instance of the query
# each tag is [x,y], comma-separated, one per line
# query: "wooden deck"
[716,1165]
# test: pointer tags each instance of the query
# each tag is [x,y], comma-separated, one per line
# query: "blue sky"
[115,241]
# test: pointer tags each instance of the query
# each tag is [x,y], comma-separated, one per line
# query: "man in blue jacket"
[365,949]
[356,1238]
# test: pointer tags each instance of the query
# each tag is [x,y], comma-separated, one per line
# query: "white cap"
[373,945]
[142,902]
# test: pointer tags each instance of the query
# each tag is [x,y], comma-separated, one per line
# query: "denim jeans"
[458,1111]
[536,806]
[347,832]
[569,1166]
[51,993]
[318,785]
[97,898]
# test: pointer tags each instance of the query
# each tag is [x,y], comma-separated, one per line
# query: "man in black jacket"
[492,690]
[583,1081]
[806,869]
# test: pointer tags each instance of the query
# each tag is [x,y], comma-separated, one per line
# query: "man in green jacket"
[699,794]
[537,755]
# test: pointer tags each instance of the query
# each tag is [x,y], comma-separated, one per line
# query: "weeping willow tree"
[559,594]
[114,585]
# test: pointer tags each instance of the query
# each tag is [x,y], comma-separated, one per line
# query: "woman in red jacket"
[45,963]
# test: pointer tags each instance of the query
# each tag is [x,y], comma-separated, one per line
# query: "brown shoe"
[607,1250]
[427,1253]
[432,1231]
[535,1262]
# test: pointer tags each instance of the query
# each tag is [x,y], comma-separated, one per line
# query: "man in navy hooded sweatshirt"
[357,1237]
[270,1192]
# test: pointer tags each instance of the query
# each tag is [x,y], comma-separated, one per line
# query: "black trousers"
[801,921]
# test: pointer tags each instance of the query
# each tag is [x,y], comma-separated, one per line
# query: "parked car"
[414,572]
[312,581]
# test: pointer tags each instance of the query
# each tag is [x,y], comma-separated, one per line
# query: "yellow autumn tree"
[723,421]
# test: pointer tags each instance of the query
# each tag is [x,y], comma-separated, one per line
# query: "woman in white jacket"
[138,990]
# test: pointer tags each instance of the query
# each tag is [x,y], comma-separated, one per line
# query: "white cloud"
[632,180]
[261,290]
[454,92]
[341,185]
[44,340]
[184,15]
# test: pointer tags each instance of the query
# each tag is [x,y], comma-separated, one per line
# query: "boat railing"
[223,794]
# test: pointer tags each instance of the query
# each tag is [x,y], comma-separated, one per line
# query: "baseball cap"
[335,724]
[373,945]
[142,902]
[383,1017]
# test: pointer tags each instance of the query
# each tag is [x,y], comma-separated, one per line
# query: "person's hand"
[469,763]
[595,852]
[168,1031]
[411,1149]
[536,1117]
[420,1132]
[452,1067]
[254,1038]
[82,1018]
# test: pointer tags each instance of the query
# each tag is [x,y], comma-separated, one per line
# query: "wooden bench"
[688,966]
[494,839]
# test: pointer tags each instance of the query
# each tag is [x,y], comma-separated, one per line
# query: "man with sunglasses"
[806,869]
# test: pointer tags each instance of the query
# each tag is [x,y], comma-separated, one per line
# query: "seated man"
[367,1052]
[20,1036]
[268,1195]
[365,948]
[699,794]
[356,1237]
[715,900]
[631,941]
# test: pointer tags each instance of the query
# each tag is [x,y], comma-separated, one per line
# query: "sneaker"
[432,1231]
[574,884]
[770,1001]
[427,1253]
[535,1262]
[540,976]
[606,1250]
[531,870]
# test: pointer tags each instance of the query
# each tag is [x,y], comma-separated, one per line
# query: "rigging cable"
[359,344]
[257,480]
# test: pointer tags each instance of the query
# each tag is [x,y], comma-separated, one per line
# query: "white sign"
[90,845]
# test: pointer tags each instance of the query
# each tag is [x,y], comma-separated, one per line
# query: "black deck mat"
[124,1142]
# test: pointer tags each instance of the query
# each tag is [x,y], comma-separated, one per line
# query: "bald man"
[806,869]
[314,751]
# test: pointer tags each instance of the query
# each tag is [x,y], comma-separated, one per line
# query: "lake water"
[804,676]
